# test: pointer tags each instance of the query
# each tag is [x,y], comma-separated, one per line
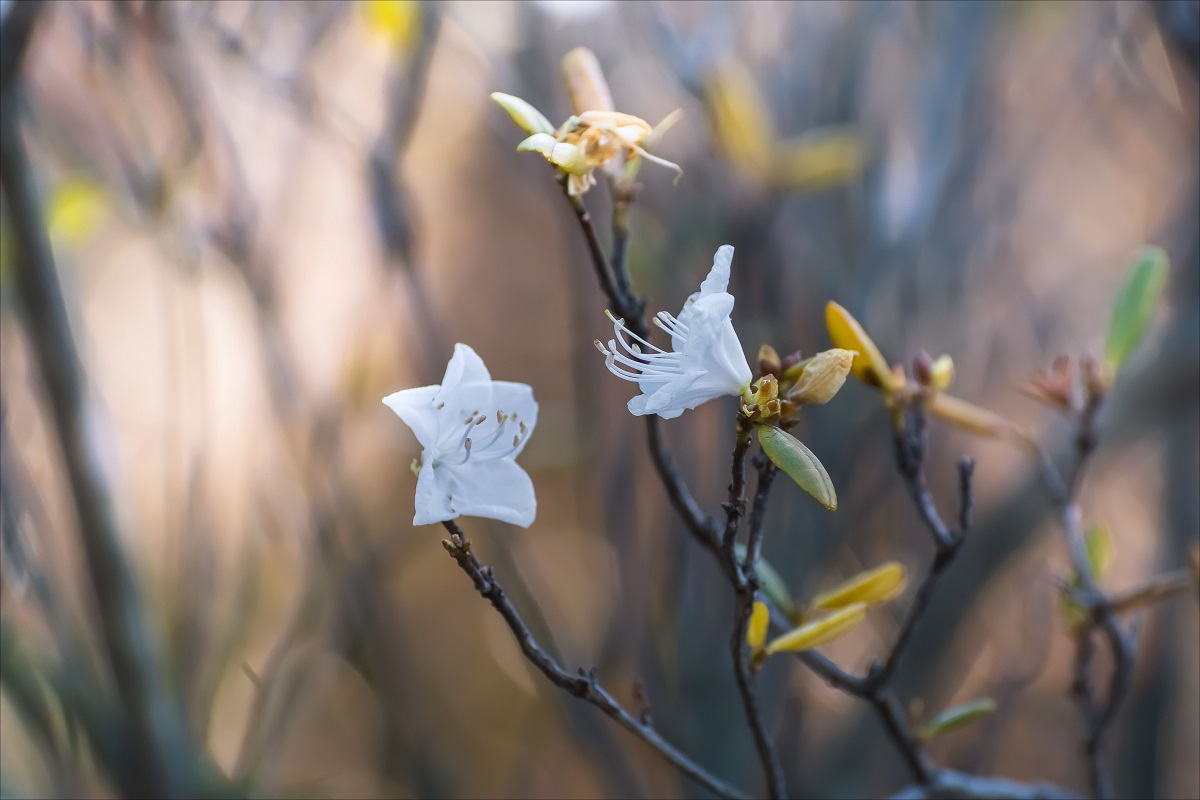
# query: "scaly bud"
[768,361]
[820,377]
[941,373]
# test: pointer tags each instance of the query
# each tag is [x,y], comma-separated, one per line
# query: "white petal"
[718,276]
[467,386]
[417,408]
[516,398]
[705,320]
[637,407]
[433,494]
[497,489]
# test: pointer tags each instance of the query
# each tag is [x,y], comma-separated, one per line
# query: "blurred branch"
[584,684]
[951,784]
[407,82]
[157,760]
[1101,617]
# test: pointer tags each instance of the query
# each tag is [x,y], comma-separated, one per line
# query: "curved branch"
[583,684]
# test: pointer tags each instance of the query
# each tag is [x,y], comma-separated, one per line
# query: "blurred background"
[267,216]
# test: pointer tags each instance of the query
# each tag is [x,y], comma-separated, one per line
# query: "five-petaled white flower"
[471,429]
[706,359]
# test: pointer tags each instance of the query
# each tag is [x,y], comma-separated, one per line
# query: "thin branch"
[876,686]
[758,511]
[583,684]
[1098,712]
[896,723]
[746,585]
[941,563]
[909,442]
[702,526]
[604,273]
[735,507]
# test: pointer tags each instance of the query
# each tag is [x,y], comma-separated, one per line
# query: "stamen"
[516,439]
[441,405]
[671,366]
[466,455]
[636,351]
[670,324]
[524,430]
[620,326]
[496,434]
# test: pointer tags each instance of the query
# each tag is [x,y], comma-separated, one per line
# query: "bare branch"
[584,684]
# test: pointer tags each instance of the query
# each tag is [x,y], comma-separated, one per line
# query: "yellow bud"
[73,211]
[941,373]
[820,377]
[585,81]
[740,117]
[760,618]
[871,587]
[522,113]
[395,20]
[818,159]
[971,417]
[869,365]
[820,631]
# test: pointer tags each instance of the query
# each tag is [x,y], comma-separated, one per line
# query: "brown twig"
[584,684]
[745,582]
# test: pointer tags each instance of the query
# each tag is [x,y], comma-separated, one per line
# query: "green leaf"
[772,585]
[791,456]
[1100,551]
[958,717]
[1135,305]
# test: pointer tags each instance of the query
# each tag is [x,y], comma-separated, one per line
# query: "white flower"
[471,429]
[707,359]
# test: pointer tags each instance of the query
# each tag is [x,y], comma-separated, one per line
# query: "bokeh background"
[267,216]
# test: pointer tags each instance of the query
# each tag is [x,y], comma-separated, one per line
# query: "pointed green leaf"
[958,717]
[1135,304]
[791,456]
[772,585]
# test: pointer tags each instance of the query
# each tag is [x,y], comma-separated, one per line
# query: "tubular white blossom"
[706,359]
[471,429]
